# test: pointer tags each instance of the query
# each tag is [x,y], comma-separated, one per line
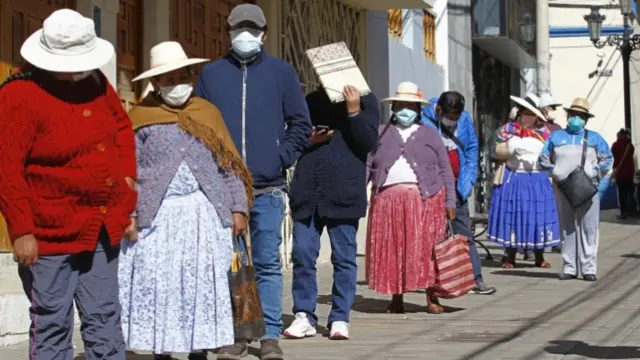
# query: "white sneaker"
[339,331]
[300,328]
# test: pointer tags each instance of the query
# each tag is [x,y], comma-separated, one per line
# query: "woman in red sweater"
[67,176]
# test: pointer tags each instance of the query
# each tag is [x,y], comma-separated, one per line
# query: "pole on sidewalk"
[542,46]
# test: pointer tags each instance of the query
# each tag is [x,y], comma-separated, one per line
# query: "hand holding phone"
[320,134]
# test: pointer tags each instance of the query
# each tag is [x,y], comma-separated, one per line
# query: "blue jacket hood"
[429,112]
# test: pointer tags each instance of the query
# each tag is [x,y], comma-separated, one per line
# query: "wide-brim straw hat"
[166,57]
[67,43]
[407,92]
[530,102]
[580,105]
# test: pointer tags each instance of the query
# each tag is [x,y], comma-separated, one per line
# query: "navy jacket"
[330,178]
[257,100]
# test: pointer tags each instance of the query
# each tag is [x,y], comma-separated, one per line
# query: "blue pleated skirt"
[523,212]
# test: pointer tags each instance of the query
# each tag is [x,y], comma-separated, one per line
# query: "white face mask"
[448,122]
[246,42]
[81,76]
[176,95]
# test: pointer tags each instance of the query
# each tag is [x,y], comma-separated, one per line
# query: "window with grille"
[394,23]
[429,26]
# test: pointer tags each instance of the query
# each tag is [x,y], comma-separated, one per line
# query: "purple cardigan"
[160,150]
[425,152]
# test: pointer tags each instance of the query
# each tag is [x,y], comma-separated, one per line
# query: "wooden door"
[201,26]
[18,20]
[129,49]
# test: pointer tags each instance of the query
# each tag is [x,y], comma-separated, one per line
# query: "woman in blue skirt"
[523,211]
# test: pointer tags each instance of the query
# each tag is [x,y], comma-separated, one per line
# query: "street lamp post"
[625,43]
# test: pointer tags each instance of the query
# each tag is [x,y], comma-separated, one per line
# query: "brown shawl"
[202,120]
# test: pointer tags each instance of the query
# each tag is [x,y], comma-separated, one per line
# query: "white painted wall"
[571,62]
[442,39]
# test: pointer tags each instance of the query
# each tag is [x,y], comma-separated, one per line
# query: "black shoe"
[589,277]
[162,357]
[482,289]
[202,355]
[567,277]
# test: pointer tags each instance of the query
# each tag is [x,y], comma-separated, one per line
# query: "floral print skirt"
[174,287]
[403,229]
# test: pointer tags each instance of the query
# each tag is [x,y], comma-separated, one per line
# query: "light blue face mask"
[405,117]
[575,124]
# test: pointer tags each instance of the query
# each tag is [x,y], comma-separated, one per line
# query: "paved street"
[532,317]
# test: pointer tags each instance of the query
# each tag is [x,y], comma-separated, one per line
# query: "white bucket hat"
[530,102]
[67,43]
[168,56]
[407,92]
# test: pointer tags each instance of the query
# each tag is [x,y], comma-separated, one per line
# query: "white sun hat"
[530,102]
[407,92]
[547,100]
[168,56]
[66,43]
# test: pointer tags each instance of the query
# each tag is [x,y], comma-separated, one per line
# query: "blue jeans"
[305,252]
[266,236]
[462,225]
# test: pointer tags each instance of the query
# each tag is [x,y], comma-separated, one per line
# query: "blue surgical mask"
[575,124]
[405,117]
[246,42]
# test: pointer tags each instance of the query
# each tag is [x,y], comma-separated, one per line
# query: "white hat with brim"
[547,100]
[406,92]
[67,43]
[530,102]
[166,57]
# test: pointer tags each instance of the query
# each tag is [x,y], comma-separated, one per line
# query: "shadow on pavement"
[630,256]
[530,274]
[580,348]
[379,306]
[130,356]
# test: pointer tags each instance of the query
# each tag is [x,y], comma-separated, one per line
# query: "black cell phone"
[322,128]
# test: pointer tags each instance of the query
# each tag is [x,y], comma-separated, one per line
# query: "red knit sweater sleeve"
[126,138]
[18,130]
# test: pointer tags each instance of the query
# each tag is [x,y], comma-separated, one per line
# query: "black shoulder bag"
[445,130]
[578,188]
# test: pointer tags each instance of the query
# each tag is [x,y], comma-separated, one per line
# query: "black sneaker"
[482,289]
[270,350]
[589,277]
[233,352]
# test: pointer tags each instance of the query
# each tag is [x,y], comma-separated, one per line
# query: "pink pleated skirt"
[403,229]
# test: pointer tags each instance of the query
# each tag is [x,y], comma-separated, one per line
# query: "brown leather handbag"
[248,319]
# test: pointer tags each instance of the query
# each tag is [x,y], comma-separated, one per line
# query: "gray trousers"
[91,279]
[579,232]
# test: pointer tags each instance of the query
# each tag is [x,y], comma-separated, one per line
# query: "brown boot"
[233,352]
[433,304]
[270,350]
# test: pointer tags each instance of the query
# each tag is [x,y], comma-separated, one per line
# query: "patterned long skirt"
[174,287]
[403,229]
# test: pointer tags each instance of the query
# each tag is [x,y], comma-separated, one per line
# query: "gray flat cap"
[247,12]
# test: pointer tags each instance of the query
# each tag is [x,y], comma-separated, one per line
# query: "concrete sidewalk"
[533,316]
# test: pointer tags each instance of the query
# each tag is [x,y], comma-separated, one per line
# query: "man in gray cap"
[264,108]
